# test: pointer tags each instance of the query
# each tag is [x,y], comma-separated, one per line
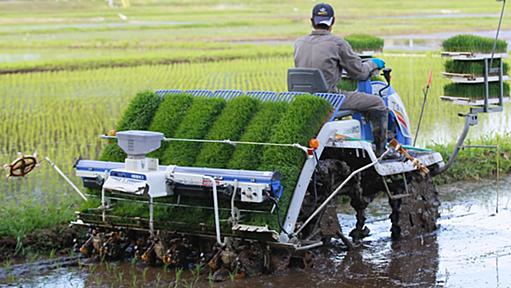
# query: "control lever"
[386,74]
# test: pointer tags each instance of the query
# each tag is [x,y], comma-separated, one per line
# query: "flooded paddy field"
[471,248]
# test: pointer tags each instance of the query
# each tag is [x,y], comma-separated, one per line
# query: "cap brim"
[323,20]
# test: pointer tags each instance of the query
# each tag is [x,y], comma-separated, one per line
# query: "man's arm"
[352,63]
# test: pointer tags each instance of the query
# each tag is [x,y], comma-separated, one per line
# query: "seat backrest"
[310,80]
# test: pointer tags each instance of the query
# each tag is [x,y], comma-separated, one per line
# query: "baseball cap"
[323,13]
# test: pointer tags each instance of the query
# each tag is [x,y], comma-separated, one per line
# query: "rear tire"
[416,214]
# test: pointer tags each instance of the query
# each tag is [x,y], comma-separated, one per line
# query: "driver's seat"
[311,80]
[307,80]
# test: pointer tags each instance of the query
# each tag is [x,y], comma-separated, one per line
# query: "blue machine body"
[397,115]
[90,170]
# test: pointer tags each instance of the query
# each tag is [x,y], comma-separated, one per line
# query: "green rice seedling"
[168,116]
[260,129]
[348,84]
[195,125]
[144,274]
[92,202]
[158,279]
[475,68]
[131,209]
[179,274]
[196,274]
[138,116]
[474,90]
[363,42]
[134,280]
[300,123]
[229,125]
[473,43]
[211,279]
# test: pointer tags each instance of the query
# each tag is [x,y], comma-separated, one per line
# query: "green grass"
[32,215]
[364,42]
[476,164]
[473,43]
[475,90]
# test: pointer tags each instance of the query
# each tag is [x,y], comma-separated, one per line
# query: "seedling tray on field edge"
[469,88]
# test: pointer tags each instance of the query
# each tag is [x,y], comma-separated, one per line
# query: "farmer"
[331,54]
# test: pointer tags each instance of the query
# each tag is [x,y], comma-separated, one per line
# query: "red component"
[314,143]
[430,78]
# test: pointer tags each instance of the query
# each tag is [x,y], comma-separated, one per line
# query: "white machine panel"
[350,128]
[136,182]
[252,193]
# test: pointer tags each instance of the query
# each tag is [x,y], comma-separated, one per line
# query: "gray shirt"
[331,54]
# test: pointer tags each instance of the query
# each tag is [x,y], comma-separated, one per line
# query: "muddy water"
[472,248]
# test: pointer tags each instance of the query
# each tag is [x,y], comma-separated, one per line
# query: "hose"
[277,207]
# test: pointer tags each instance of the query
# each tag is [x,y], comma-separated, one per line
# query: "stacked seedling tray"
[365,46]
[478,76]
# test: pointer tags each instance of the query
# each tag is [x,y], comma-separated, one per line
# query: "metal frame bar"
[486,85]
[470,120]
[325,135]
[227,141]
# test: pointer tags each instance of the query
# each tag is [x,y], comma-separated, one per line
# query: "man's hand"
[379,63]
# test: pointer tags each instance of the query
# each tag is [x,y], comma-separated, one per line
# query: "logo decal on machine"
[128,175]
